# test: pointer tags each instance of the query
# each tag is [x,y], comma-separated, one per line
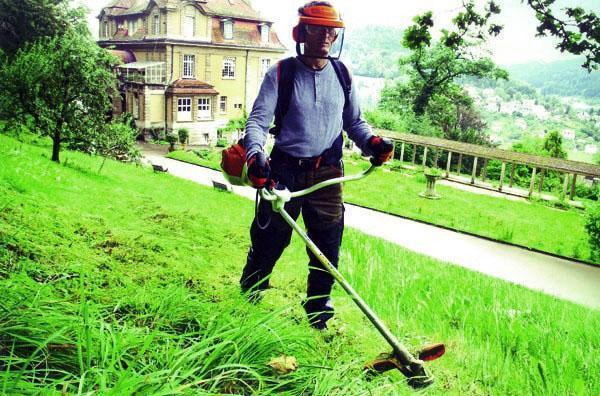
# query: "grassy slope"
[109,282]
[531,224]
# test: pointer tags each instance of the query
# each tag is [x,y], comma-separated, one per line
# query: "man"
[308,150]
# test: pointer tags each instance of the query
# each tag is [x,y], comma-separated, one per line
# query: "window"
[136,107]
[228,29]
[131,27]
[188,26]
[188,66]
[237,106]
[223,104]
[265,63]
[264,33]
[156,25]
[204,108]
[184,109]
[105,32]
[228,68]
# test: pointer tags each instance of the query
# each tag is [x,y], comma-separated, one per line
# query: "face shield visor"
[318,41]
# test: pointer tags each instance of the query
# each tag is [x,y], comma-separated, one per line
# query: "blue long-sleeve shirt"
[315,116]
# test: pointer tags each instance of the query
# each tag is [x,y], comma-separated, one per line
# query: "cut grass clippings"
[125,282]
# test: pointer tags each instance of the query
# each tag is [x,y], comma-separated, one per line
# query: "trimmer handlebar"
[284,194]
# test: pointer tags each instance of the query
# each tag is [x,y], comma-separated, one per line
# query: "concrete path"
[565,279]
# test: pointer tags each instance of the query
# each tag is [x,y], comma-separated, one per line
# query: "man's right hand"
[258,170]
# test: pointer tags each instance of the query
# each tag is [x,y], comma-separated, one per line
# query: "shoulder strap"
[286,71]
[345,79]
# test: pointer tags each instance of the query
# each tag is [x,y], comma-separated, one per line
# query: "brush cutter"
[400,358]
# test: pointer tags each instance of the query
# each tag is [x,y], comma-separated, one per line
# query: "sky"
[516,44]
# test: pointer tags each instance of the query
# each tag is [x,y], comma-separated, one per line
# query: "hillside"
[373,51]
[561,78]
[125,282]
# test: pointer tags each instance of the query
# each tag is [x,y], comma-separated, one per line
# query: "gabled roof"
[246,33]
[191,86]
[240,9]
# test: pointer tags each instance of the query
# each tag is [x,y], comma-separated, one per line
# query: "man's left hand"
[382,149]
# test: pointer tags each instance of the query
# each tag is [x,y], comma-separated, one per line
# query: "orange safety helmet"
[320,13]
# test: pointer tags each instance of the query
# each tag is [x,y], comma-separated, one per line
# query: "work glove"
[382,149]
[258,170]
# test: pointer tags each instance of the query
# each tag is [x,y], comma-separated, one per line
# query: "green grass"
[204,157]
[532,224]
[125,282]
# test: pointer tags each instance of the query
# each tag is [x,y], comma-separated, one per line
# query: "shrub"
[157,134]
[171,138]
[592,226]
[222,142]
[583,190]
[433,172]
[184,135]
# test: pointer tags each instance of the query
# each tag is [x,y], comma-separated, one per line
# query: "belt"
[305,164]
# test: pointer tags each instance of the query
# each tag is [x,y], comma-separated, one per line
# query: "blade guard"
[417,375]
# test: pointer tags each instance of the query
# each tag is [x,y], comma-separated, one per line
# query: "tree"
[26,21]
[62,84]
[432,68]
[578,31]
[553,145]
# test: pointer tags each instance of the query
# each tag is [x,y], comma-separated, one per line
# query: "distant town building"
[590,149]
[568,134]
[188,64]
[521,123]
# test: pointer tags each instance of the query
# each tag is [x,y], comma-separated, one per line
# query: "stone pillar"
[448,162]
[512,174]
[565,185]
[425,157]
[484,170]
[532,182]
[402,152]
[459,166]
[474,173]
[541,186]
[573,183]
[502,171]
[414,155]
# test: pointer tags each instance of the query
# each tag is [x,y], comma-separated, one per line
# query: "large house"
[188,64]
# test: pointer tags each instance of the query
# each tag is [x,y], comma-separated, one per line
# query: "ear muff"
[298,34]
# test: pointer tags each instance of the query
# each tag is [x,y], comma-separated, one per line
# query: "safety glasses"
[320,30]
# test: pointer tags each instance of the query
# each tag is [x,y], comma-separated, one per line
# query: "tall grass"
[125,282]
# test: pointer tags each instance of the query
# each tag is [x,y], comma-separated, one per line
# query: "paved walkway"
[562,278]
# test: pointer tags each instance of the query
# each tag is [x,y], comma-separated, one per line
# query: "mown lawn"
[527,223]
[125,281]
[531,224]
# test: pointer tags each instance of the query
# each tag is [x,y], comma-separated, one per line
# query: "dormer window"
[264,33]
[131,27]
[228,29]
[188,28]
[156,25]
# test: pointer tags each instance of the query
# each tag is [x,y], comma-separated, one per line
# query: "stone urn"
[432,176]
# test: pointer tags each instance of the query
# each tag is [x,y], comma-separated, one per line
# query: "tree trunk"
[56,147]
[421,102]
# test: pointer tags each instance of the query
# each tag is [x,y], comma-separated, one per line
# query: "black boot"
[318,311]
